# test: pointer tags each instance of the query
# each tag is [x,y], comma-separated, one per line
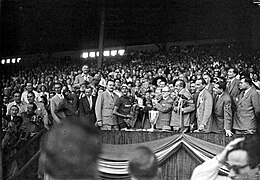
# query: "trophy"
[153,116]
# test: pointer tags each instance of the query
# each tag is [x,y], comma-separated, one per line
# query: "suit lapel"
[241,99]
[232,85]
[219,100]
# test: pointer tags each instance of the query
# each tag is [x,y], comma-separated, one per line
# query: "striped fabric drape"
[114,159]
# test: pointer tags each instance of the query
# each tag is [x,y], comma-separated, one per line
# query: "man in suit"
[233,86]
[248,108]
[68,105]
[195,95]
[105,104]
[204,107]
[55,100]
[222,114]
[183,105]
[83,77]
[164,106]
[87,107]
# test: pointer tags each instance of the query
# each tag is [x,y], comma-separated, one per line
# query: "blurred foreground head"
[143,164]
[71,151]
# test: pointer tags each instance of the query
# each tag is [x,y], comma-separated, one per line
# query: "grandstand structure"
[35,33]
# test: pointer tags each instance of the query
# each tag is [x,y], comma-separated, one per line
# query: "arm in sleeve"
[54,116]
[207,170]
[227,115]
[208,108]
[190,107]
[98,107]
[256,104]
[45,115]
[76,82]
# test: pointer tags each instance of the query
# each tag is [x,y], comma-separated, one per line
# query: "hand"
[192,125]
[222,157]
[201,127]
[99,123]
[229,133]
[128,116]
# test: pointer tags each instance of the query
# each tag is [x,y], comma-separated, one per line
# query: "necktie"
[112,96]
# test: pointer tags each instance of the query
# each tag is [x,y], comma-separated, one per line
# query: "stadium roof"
[34,26]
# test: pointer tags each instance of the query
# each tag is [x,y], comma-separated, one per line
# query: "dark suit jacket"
[233,88]
[222,119]
[248,110]
[87,114]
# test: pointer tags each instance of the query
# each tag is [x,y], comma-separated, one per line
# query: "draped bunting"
[114,159]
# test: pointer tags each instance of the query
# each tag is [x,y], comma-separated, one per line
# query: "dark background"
[38,26]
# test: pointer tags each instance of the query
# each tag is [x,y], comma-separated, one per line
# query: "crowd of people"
[204,88]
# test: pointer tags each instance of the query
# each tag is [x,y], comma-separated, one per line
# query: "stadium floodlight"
[106,53]
[97,53]
[13,60]
[92,54]
[3,61]
[85,55]
[19,59]
[113,52]
[8,61]
[121,52]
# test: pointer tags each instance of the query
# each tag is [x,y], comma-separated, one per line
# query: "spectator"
[68,155]
[222,113]
[122,109]
[143,164]
[105,104]
[85,76]
[41,111]
[87,107]
[29,88]
[248,108]
[241,156]
[68,105]
[204,107]
[54,102]
[183,105]
[164,106]
[17,101]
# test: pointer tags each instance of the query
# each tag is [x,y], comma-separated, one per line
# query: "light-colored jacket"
[104,108]
[187,107]
[204,110]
